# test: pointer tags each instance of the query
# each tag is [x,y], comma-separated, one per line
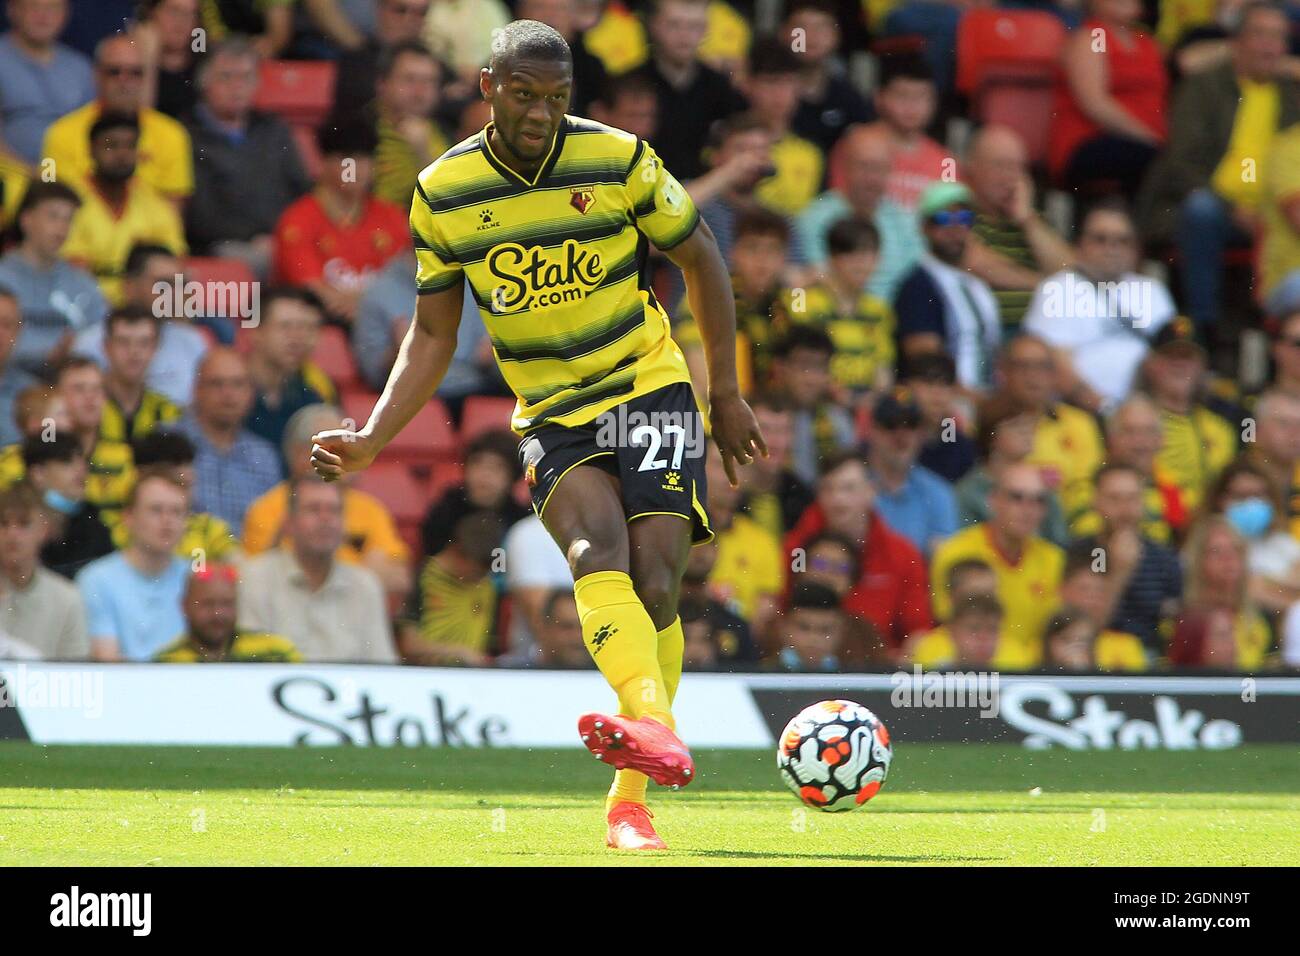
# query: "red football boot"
[645,745]
[630,828]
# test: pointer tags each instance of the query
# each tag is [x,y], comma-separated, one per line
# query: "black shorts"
[653,444]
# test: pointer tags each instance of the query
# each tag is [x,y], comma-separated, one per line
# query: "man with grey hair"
[370,534]
[330,609]
[1276,445]
[247,169]
[165,159]
[233,467]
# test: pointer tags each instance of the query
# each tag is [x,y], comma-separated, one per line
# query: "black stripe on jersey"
[557,147]
[548,235]
[576,173]
[420,242]
[636,158]
[444,281]
[570,347]
[533,396]
[590,396]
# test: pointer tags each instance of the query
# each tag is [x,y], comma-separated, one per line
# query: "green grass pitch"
[951,804]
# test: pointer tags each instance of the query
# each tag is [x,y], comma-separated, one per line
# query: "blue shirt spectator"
[141,612]
[232,466]
[40,80]
[911,499]
[12,379]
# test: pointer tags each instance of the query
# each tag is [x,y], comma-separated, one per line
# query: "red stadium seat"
[213,269]
[392,483]
[445,474]
[997,45]
[482,413]
[333,353]
[298,91]
[428,438]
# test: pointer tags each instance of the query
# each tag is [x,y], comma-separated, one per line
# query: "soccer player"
[548,217]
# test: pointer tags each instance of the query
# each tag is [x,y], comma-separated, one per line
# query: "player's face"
[528,104]
[130,347]
[210,610]
[115,154]
[46,226]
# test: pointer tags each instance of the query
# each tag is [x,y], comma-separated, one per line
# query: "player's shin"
[622,641]
[631,784]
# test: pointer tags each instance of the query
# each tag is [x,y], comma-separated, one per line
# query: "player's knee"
[586,556]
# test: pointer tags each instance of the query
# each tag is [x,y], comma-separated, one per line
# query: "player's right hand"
[339,451]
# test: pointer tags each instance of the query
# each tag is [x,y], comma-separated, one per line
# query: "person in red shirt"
[1110,101]
[893,587]
[335,239]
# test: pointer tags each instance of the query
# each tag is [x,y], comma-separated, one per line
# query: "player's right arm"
[422,361]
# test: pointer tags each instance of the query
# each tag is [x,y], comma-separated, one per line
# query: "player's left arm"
[712,303]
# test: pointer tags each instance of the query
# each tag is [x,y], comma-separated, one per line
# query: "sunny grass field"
[953,804]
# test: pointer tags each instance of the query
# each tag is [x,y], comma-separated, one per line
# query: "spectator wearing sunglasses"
[165,161]
[1028,567]
[940,307]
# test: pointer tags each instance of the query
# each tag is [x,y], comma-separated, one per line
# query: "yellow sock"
[621,638]
[631,784]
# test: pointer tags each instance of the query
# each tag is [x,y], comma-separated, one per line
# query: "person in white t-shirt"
[1100,316]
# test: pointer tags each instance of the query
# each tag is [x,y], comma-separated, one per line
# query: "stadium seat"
[1007,64]
[298,91]
[445,474]
[484,413]
[392,483]
[333,353]
[213,269]
[429,437]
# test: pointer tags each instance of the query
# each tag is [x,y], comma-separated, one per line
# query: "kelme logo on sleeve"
[539,278]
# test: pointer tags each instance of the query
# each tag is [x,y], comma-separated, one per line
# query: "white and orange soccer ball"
[834,755]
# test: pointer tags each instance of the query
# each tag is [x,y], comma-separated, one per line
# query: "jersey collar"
[557,145]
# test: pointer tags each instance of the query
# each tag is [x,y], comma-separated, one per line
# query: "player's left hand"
[735,432]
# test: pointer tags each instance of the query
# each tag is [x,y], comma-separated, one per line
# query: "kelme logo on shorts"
[539,278]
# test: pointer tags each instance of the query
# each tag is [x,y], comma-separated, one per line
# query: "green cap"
[941,195]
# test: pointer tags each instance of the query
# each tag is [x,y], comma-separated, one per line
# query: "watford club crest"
[582,198]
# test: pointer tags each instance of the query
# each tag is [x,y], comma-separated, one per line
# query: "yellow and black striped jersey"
[557,265]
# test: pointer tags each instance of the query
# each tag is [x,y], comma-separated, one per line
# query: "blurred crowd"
[1028,407]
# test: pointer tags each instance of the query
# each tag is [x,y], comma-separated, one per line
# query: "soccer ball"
[834,755]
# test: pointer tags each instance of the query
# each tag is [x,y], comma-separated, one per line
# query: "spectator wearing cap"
[234,210]
[118,208]
[1140,581]
[863,161]
[232,466]
[1198,442]
[947,450]
[1100,315]
[334,240]
[1223,121]
[332,611]
[180,345]
[692,96]
[1028,567]
[37,606]
[828,102]
[40,78]
[969,639]
[1022,249]
[860,325]
[13,379]
[772,87]
[810,632]
[774,495]
[1005,437]
[1067,442]
[56,470]
[57,299]
[1134,438]
[133,596]
[892,590]
[370,535]
[939,306]
[211,636]
[166,162]
[913,500]
[801,373]
[491,465]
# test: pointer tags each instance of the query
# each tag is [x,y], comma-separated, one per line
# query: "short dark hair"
[845,542]
[761,222]
[111,121]
[838,459]
[20,500]
[1253,7]
[527,40]
[386,62]
[1064,618]
[1079,556]
[1111,205]
[162,447]
[499,442]
[72,363]
[773,402]
[1114,468]
[993,411]
[771,56]
[626,84]
[39,192]
[802,336]
[929,367]
[140,255]
[734,125]
[904,66]
[63,446]
[284,293]
[478,534]
[973,605]
[812,596]
[965,566]
[349,136]
[852,235]
[130,315]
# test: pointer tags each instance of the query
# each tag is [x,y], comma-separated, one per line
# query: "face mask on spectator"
[61,502]
[1251,516]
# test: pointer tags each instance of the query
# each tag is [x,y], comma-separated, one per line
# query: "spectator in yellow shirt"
[118,208]
[407,95]
[773,90]
[165,160]
[1028,567]
[211,636]
[1074,643]
[748,574]
[969,639]
[370,535]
